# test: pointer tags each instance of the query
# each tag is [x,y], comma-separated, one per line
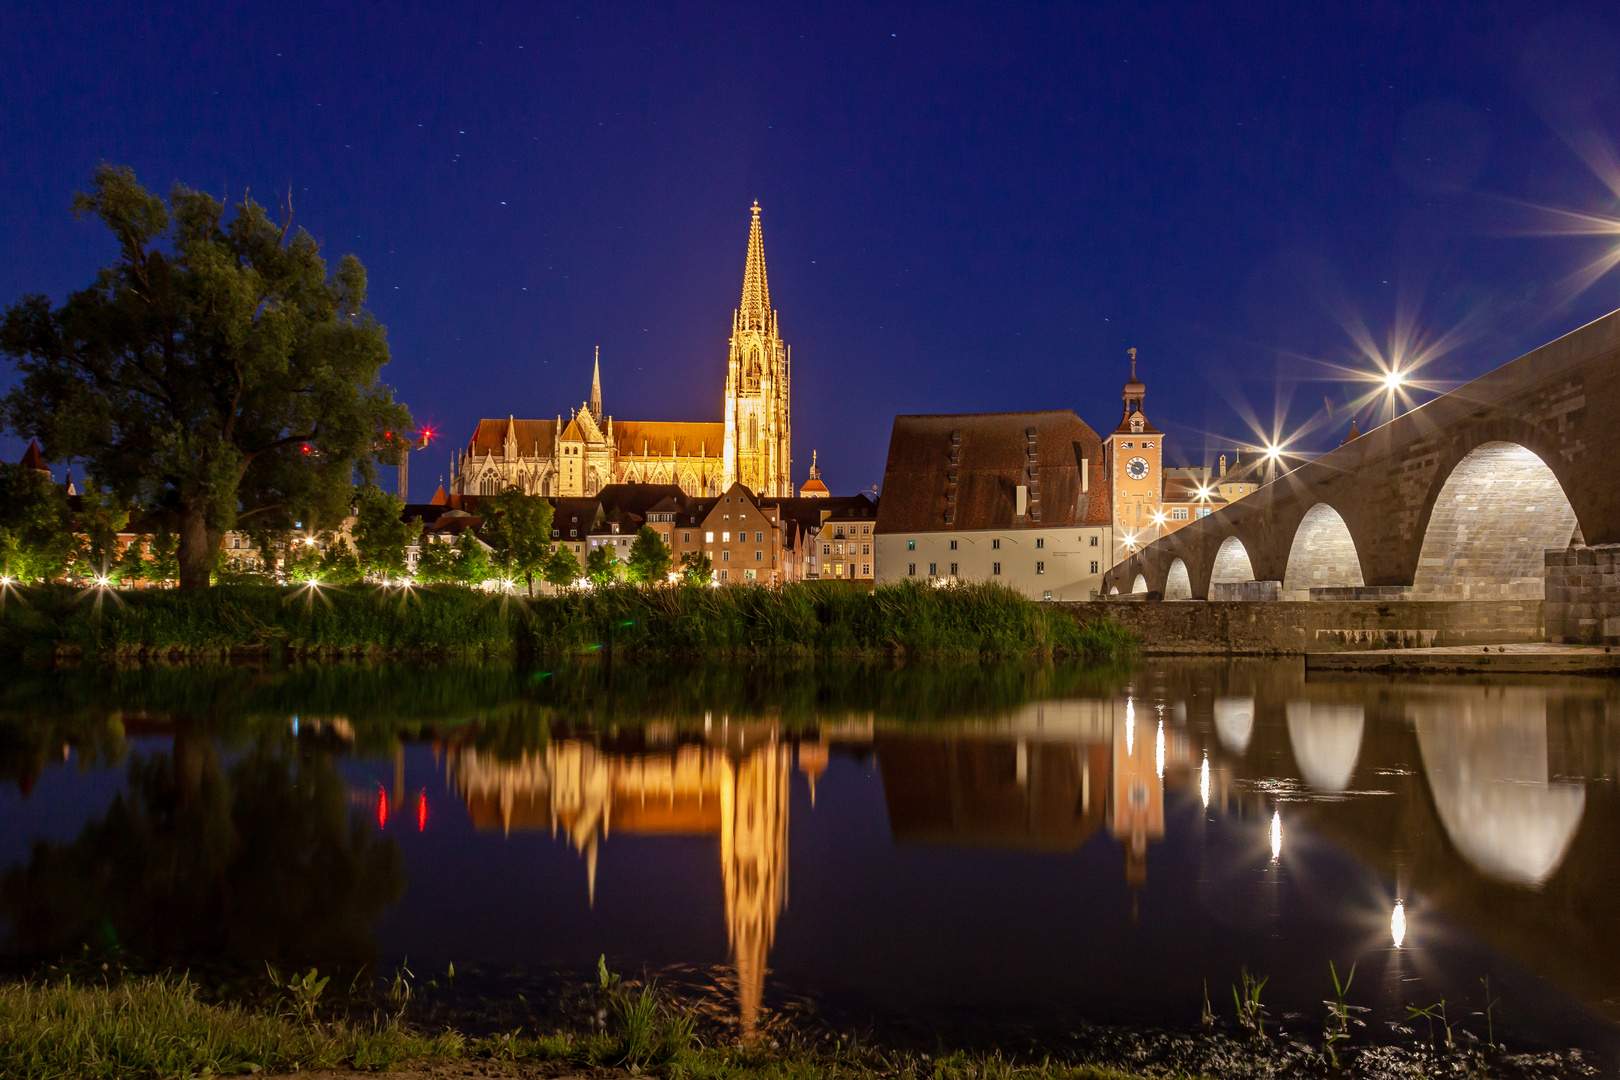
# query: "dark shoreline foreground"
[246,622]
[164,1026]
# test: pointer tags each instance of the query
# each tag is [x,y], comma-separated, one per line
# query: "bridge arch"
[1177,582]
[1140,585]
[1231,563]
[1498,511]
[1323,554]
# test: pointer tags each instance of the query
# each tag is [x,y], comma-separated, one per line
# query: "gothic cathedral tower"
[758,438]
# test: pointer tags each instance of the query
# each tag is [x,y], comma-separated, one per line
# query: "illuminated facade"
[579,455]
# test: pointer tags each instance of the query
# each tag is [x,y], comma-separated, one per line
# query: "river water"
[993,852]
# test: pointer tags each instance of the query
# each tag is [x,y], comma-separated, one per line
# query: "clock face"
[1136,468]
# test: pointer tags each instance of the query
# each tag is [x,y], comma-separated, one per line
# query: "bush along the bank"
[965,621]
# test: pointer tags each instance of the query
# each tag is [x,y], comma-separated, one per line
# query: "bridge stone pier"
[1493,491]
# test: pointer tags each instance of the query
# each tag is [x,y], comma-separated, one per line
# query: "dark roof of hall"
[991,467]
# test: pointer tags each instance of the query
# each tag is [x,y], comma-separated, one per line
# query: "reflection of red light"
[421,812]
[382,809]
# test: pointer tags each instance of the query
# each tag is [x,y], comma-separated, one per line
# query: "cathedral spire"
[756,293]
[596,385]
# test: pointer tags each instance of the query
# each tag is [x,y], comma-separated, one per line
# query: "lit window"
[995,568]
[911,545]
[911,569]
[1040,568]
[708,538]
[750,575]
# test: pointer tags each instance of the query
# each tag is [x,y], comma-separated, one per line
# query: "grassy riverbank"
[971,621]
[158,1028]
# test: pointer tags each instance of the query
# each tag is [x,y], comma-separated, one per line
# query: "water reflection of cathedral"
[1052,775]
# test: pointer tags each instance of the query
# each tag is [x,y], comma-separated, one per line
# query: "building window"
[759,538]
[750,575]
[931,571]
[995,568]
[911,569]
[953,545]
[866,530]
[996,543]
[1094,569]
[686,538]
[573,533]
[1093,541]
[725,538]
[725,555]
[708,538]
[1040,541]
[839,532]
[724,574]
[1047,595]
[759,556]
[953,569]
[1040,568]
[826,549]
[1178,513]
[866,549]
[911,545]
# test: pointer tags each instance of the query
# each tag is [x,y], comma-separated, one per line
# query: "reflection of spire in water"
[692,790]
[1326,741]
[1485,756]
[1234,722]
[753,861]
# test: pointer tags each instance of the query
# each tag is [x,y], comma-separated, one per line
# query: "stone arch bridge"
[1493,491]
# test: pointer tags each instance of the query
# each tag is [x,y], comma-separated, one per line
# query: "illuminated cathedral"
[580,455]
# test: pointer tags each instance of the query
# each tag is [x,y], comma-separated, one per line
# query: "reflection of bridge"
[1457,499]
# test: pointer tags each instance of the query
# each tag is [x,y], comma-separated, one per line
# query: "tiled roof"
[639,438]
[637,499]
[1126,429]
[534,437]
[921,486]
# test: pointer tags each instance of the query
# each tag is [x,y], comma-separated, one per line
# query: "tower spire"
[756,293]
[596,385]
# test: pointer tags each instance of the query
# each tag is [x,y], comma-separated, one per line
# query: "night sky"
[966,208]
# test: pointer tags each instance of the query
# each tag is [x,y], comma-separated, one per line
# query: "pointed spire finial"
[756,294]
[596,385]
[1133,362]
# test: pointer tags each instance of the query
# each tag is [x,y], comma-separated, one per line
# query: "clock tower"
[1135,460]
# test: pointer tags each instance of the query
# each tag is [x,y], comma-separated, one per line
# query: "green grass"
[157,1028]
[805,620]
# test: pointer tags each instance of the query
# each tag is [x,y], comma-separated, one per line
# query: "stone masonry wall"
[1583,595]
[1287,627]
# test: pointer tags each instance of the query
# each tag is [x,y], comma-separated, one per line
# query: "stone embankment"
[1298,627]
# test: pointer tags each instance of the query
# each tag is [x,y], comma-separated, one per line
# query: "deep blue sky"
[966,208]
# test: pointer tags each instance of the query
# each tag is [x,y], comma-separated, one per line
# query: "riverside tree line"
[219,376]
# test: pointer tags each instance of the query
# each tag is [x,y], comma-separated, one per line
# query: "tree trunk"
[196,553]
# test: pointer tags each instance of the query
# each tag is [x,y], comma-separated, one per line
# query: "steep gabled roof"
[534,437]
[656,438]
[33,459]
[920,483]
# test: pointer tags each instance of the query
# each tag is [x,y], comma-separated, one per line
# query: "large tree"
[36,535]
[381,533]
[214,374]
[650,558]
[518,528]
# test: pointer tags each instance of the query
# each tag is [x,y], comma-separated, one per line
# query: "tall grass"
[796,621]
[158,1028]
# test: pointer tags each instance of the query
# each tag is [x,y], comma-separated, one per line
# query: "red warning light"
[382,809]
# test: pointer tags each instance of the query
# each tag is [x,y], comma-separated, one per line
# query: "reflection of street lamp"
[1397,923]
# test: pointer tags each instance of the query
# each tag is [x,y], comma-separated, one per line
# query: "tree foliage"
[602,566]
[214,373]
[97,524]
[562,569]
[518,528]
[165,568]
[435,561]
[381,533]
[650,558]
[696,568]
[35,529]
[472,561]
